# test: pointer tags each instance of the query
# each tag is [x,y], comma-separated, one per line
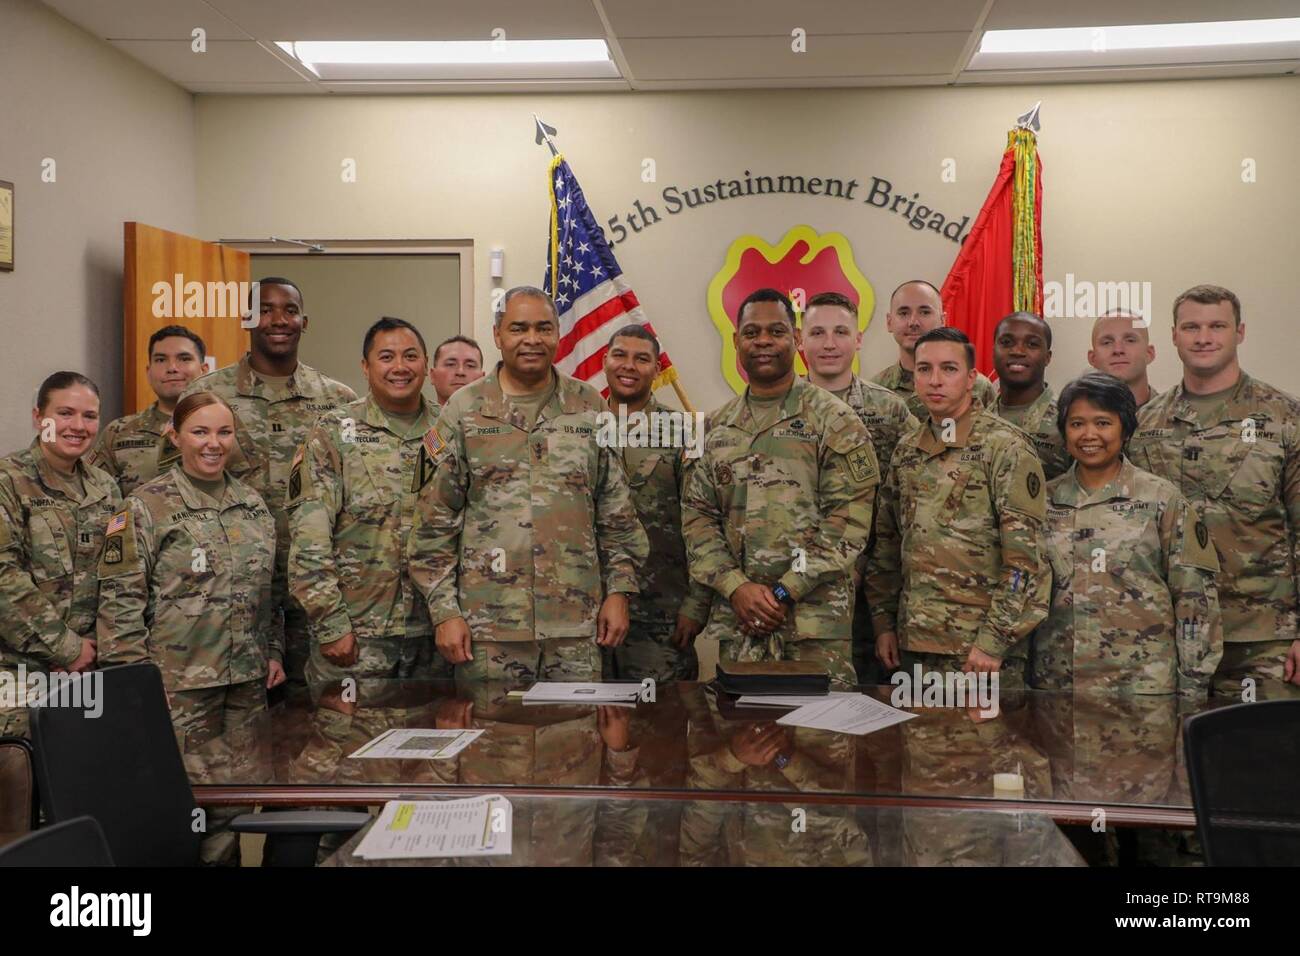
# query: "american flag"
[587,284]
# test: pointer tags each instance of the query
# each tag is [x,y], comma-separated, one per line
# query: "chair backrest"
[1243,764]
[17,789]
[121,767]
[76,842]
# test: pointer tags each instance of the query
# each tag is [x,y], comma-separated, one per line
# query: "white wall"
[122,139]
[1142,182]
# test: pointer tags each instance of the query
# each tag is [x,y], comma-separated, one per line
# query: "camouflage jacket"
[1134,607]
[523,532]
[885,414]
[49,546]
[1242,474]
[958,557]
[791,504]
[1039,423]
[188,585]
[351,503]
[655,476]
[271,424]
[132,448]
[900,380]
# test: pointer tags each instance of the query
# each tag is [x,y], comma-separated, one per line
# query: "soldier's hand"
[981,663]
[452,640]
[756,608]
[274,674]
[613,724]
[758,744]
[685,631]
[86,659]
[887,649]
[343,652]
[612,622]
[1291,669]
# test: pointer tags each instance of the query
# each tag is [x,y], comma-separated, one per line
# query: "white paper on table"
[435,829]
[582,693]
[405,743]
[852,714]
[789,700]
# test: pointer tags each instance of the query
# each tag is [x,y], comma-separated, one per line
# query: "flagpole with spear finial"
[543,135]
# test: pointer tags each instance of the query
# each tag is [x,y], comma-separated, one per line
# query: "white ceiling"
[667,44]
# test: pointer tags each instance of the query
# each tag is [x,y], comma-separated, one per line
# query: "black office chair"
[124,769]
[1243,764]
[77,842]
[18,806]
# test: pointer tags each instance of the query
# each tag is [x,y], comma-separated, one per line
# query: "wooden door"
[172,279]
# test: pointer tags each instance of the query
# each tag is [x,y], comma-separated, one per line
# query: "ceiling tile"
[146,19]
[749,18]
[225,60]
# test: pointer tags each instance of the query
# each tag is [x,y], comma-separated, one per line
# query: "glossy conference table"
[637,831]
[1076,754]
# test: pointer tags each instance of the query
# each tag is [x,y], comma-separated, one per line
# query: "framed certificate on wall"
[6,226]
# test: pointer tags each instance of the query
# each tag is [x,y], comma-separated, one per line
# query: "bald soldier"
[276,399]
[831,339]
[779,506]
[914,309]
[351,503]
[526,545]
[964,501]
[132,448]
[1231,444]
[1022,349]
[671,608]
[1121,346]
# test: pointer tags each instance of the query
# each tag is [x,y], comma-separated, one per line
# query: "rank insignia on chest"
[113,551]
[724,474]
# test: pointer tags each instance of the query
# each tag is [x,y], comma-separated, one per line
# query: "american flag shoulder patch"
[433,443]
[117,523]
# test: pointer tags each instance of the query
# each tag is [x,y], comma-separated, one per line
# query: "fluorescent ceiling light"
[1146,37]
[445,52]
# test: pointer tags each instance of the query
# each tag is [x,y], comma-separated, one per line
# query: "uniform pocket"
[50,552]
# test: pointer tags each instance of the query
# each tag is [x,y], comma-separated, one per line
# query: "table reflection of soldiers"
[733,752]
[955,752]
[548,746]
[1107,749]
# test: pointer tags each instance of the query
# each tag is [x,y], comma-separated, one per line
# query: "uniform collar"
[376,417]
[1035,407]
[931,445]
[51,480]
[1068,492]
[153,419]
[567,398]
[791,405]
[235,492]
[1242,403]
[303,383]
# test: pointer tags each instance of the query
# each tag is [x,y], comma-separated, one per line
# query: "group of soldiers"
[924,516]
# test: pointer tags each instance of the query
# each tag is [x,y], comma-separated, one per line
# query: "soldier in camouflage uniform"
[1134,607]
[831,341]
[133,448]
[53,509]
[276,400]
[671,608]
[1022,349]
[958,578]
[778,508]
[1121,346]
[351,502]
[1229,443]
[185,582]
[525,545]
[914,309]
